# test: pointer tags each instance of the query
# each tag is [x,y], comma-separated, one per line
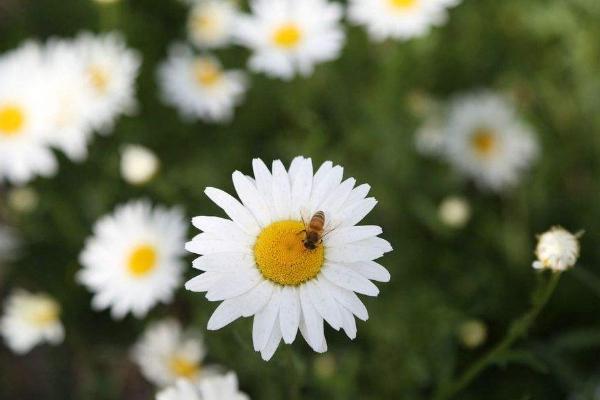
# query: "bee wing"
[305,215]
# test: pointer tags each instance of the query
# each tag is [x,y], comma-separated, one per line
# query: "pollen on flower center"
[483,141]
[45,315]
[403,4]
[281,256]
[99,78]
[142,260]
[207,73]
[287,36]
[184,368]
[11,120]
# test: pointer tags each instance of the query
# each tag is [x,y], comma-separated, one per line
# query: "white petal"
[202,282]
[301,188]
[348,299]
[312,322]
[355,213]
[281,191]
[227,312]
[264,180]
[345,277]
[337,197]
[357,194]
[323,303]
[256,299]
[201,244]
[235,210]
[271,346]
[350,234]
[289,313]
[322,188]
[371,270]
[252,198]
[222,228]
[221,262]
[353,252]
[264,320]
[235,284]
[348,323]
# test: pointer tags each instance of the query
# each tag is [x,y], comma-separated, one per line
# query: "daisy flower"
[68,82]
[25,116]
[398,19]
[291,36]
[211,22]
[133,260]
[261,262]
[487,141]
[454,211]
[217,387]
[557,250]
[199,86]
[30,319]
[165,354]
[111,70]
[138,164]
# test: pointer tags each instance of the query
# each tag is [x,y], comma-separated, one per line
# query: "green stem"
[517,330]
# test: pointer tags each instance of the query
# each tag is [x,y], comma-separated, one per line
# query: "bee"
[314,231]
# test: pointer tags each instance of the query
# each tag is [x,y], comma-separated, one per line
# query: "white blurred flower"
[211,23]
[557,250]
[398,19]
[67,78]
[25,116]
[111,70]
[454,211]
[486,140]
[133,260]
[165,354]
[30,319]
[199,86]
[138,164]
[429,139]
[472,333]
[258,264]
[216,387]
[22,199]
[288,37]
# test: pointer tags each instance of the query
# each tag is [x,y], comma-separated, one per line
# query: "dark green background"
[361,112]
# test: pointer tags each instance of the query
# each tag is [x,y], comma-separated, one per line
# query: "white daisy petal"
[203,246]
[348,279]
[371,270]
[348,299]
[234,209]
[224,261]
[323,303]
[281,190]
[355,213]
[227,312]
[348,323]
[251,198]
[273,342]
[234,284]
[222,228]
[289,313]
[264,321]
[351,234]
[311,325]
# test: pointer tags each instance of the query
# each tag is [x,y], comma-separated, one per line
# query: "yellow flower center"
[46,314]
[184,368]
[142,260]
[403,4]
[99,78]
[207,73]
[287,36]
[483,142]
[281,256]
[12,119]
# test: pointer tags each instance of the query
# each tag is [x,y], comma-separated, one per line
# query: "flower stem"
[517,329]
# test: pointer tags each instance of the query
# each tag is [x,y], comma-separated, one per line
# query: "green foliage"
[360,111]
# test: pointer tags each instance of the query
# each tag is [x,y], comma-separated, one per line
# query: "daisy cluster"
[57,95]
[286,38]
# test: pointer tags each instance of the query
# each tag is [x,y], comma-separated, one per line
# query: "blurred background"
[454,289]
